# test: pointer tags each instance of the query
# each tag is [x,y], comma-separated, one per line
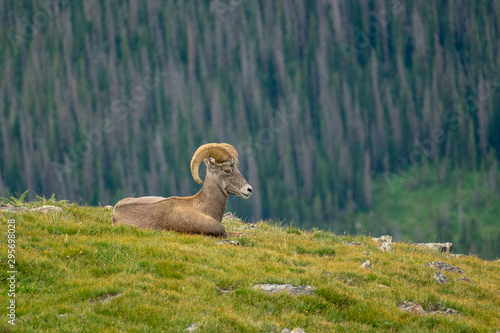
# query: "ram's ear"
[210,163]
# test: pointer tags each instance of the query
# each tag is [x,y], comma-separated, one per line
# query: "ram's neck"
[211,199]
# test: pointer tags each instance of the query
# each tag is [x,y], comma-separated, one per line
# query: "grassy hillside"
[76,272]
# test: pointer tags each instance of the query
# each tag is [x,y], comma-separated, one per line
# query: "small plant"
[322,251]
[325,235]
[50,201]
[245,241]
[325,251]
[292,230]
[300,250]
[14,201]
[275,223]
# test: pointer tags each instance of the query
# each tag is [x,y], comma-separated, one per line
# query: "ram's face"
[230,178]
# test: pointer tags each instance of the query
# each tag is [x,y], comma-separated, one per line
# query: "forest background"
[366,116]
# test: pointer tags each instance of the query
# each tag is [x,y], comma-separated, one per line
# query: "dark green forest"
[357,116]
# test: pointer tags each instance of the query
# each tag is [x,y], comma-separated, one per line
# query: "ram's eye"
[227,171]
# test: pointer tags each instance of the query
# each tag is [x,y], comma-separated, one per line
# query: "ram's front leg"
[206,225]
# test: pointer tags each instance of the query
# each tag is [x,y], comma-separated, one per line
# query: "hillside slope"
[76,272]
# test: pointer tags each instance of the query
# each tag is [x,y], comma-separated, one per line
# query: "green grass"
[78,273]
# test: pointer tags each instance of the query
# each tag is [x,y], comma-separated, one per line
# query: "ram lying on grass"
[199,214]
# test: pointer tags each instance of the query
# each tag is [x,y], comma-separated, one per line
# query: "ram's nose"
[247,191]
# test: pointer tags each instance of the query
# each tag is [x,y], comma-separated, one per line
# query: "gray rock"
[445,267]
[457,255]
[441,278]
[366,265]
[448,311]
[105,298]
[228,242]
[418,309]
[385,247]
[46,208]
[295,330]
[464,279]
[412,308]
[225,291]
[193,327]
[43,209]
[354,244]
[108,207]
[277,288]
[440,247]
[12,208]
[229,215]
[383,239]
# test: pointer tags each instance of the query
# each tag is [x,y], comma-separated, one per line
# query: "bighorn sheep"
[201,213]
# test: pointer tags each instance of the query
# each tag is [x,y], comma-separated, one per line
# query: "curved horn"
[217,151]
[231,149]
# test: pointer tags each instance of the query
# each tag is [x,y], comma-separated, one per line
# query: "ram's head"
[222,161]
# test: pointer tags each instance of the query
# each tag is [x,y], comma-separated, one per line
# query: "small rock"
[365,253]
[366,265]
[297,330]
[229,242]
[276,288]
[412,308]
[441,247]
[447,312]
[464,279]
[105,298]
[382,239]
[456,255]
[382,286]
[193,327]
[12,208]
[385,247]
[441,278]
[418,309]
[229,215]
[354,244]
[46,208]
[445,267]
[108,207]
[225,291]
